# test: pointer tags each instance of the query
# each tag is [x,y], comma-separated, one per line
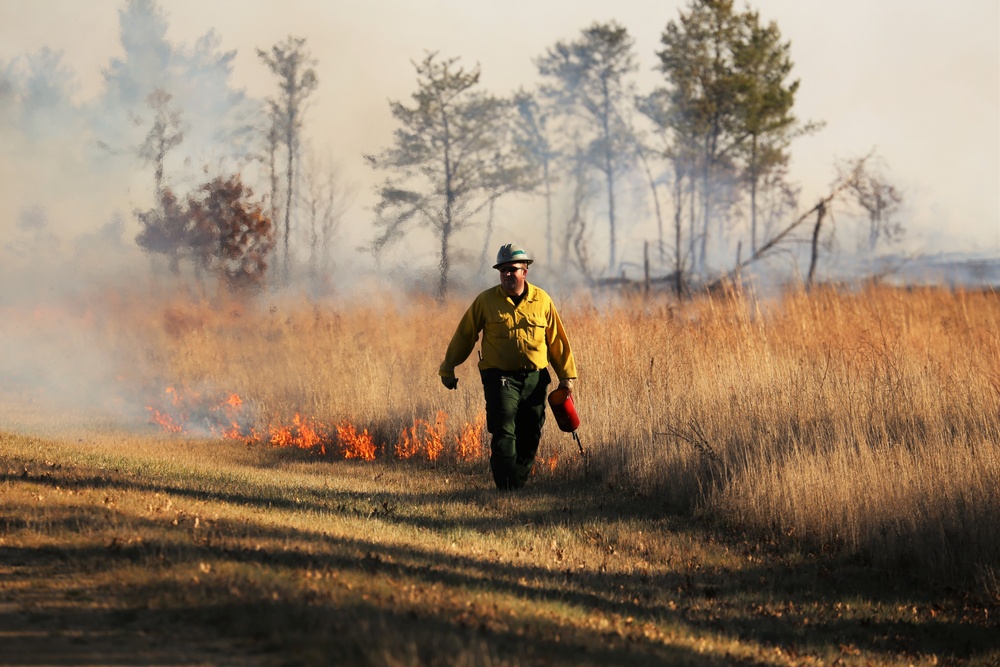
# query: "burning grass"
[192,413]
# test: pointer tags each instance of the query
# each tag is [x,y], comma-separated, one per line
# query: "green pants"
[515,414]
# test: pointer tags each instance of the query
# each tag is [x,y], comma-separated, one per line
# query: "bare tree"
[576,226]
[165,227]
[589,79]
[679,145]
[843,183]
[164,134]
[293,65]
[649,148]
[533,134]
[451,160]
[325,200]
[879,198]
[273,141]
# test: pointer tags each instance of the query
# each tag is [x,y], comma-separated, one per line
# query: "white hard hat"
[510,252]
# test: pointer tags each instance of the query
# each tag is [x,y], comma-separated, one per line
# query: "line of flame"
[422,438]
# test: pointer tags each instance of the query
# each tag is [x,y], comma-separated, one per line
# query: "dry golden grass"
[758,474]
[867,421]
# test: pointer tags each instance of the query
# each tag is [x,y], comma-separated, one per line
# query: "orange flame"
[180,409]
[409,440]
[227,418]
[470,439]
[429,438]
[175,398]
[169,420]
[304,433]
[435,436]
[163,420]
[229,411]
[355,445]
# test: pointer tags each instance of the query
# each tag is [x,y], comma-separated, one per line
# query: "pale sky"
[917,79]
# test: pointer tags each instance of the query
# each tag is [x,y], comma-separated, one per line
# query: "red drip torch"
[561,402]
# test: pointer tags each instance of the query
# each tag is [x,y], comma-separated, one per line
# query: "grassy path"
[120,550]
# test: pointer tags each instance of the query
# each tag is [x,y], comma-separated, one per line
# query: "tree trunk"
[290,179]
[753,195]
[656,206]
[706,207]
[548,212]
[609,172]
[273,150]
[449,201]
[692,220]
[443,264]
[488,237]
[678,215]
[820,213]
[645,268]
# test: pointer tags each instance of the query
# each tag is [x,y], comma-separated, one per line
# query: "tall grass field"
[808,479]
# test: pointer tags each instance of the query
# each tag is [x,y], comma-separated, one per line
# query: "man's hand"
[451,383]
[566,384]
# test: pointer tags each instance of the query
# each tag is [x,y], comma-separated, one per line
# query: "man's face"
[512,277]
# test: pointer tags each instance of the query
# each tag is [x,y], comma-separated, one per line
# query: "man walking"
[522,335]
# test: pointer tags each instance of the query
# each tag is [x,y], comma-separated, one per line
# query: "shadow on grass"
[735,603]
[722,601]
[288,633]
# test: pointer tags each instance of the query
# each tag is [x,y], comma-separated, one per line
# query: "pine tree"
[452,159]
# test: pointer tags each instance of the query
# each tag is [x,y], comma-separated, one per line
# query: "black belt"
[520,374]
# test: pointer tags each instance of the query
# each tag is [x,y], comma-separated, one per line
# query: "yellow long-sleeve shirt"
[525,337]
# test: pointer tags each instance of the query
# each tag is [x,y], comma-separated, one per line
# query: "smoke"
[72,167]
[72,176]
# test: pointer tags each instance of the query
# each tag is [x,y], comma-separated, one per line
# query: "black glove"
[451,383]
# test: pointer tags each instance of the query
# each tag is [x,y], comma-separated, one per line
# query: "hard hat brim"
[513,261]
